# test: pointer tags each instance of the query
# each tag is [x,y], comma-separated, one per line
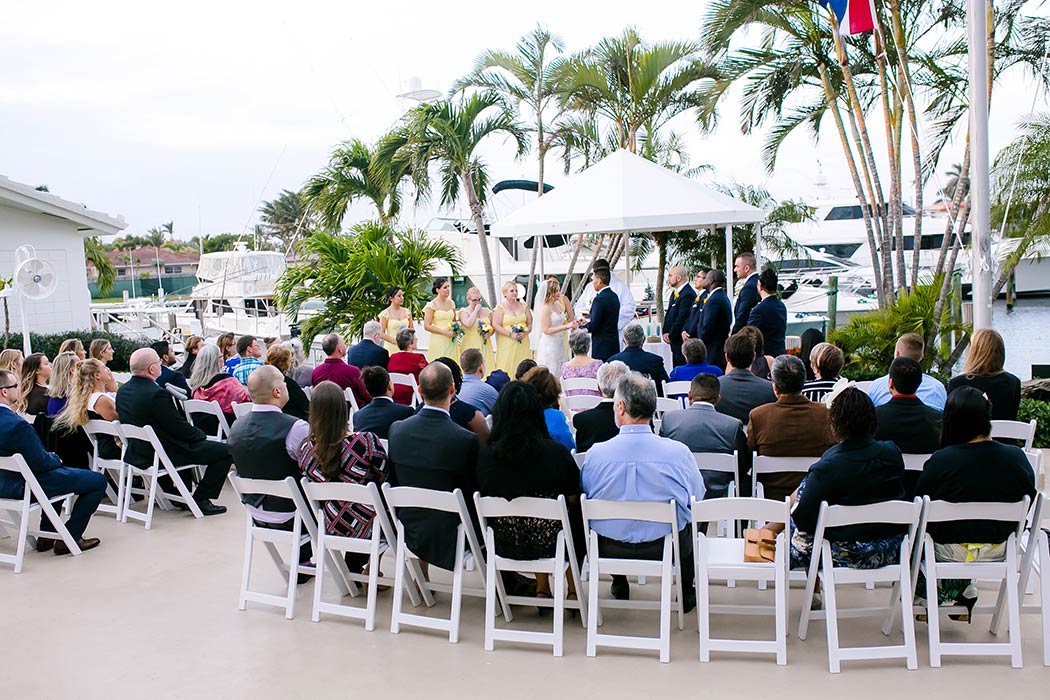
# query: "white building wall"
[58,242]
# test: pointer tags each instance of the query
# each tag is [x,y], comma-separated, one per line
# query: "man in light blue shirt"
[637,465]
[474,390]
[931,392]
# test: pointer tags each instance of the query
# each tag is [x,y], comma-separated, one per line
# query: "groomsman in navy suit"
[744,269]
[716,319]
[692,324]
[678,308]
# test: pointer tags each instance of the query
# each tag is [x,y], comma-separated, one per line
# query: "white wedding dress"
[552,351]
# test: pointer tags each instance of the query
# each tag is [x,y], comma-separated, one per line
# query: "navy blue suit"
[649,364]
[367,354]
[747,300]
[678,309]
[603,324]
[170,376]
[379,415]
[18,437]
[770,317]
[714,326]
[696,314]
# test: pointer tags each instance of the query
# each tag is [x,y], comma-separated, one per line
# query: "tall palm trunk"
[946,283]
[572,262]
[661,265]
[466,179]
[7,323]
[597,251]
[890,119]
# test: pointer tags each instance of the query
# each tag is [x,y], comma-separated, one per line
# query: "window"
[173,269]
[122,271]
[847,213]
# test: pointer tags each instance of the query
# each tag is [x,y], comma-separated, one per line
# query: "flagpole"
[980,218]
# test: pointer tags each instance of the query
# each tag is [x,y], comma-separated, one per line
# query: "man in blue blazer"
[370,351]
[716,319]
[679,305]
[744,269]
[696,312]
[649,364]
[604,318]
[18,437]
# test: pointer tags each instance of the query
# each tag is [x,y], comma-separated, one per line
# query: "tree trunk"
[597,251]
[572,263]
[536,246]
[483,239]
[890,121]
[942,299]
[661,264]
[7,323]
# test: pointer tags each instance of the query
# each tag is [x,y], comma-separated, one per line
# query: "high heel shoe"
[968,602]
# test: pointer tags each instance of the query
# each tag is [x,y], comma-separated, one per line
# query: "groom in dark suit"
[604,317]
[678,308]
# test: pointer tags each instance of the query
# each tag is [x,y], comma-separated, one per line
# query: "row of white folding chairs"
[19,511]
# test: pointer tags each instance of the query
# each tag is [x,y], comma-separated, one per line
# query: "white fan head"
[35,278]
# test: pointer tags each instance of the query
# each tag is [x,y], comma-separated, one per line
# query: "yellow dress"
[439,345]
[393,325]
[510,352]
[473,339]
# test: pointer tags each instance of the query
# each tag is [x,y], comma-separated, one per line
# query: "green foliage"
[285,219]
[353,172]
[352,273]
[95,253]
[868,339]
[49,344]
[1040,410]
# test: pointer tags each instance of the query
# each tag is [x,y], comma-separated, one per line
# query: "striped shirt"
[363,460]
[246,366]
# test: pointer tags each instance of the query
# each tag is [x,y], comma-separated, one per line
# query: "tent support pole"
[758,246]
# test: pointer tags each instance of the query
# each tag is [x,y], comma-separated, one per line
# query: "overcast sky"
[196,111]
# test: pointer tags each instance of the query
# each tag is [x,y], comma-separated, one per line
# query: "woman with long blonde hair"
[11,360]
[60,384]
[512,321]
[983,370]
[102,350]
[75,346]
[554,320]
[88,399]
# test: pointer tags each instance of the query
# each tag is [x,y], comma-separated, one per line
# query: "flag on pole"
[854,16]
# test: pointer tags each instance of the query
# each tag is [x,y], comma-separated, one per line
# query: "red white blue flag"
[854,16]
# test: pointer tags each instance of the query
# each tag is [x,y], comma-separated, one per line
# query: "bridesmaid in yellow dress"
[511,346]
[393,318]
[437,315]
[472,317]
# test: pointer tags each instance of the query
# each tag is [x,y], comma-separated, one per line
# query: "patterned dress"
[363,461]
[587,371]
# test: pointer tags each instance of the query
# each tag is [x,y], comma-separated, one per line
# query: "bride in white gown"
[554,312]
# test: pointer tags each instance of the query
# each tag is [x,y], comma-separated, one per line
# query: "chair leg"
[247,573]
[703,593]
[933,619]
[373,582]
[559,596]
[1013,604]
[665,602]
[151,497]
[780,601]
[831,619]
[457,588]
[293,575]
[399,583]
[592,598]
[490,592]
[23,536]
[1043,543]
[906,596]
[321,555]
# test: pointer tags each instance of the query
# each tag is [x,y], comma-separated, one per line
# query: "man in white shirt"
[931,392]
[622,291]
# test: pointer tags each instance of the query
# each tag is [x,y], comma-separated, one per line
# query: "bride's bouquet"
[484,328]
[519,328]
[457,330]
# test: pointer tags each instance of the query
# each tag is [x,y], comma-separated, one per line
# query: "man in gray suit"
[742,391]
[702,429]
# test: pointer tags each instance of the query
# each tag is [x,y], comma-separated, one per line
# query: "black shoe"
[688,602]
[621,589]
[209,508]
[44,544]
[85,543]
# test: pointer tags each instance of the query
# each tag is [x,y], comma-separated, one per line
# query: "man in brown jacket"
[794,426]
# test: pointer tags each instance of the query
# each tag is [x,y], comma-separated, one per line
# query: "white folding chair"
[544,509]
[579,458]
[579,384]
[1035,558]
[209,408]
[1015,430]
[152,491]
[581,402]
[240,410]
[822,567]
[93,429]
[667,568]
[273,539]
[863,386]
[409,380]
[673,390]
[20,509]
[319,496]
[1005,571]
[915,462]
[726,464]
[762,464]
[308,390]
[352,400]
[406,560]
[723,558]
[663,405]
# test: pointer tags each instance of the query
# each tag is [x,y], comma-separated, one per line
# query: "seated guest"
[11,361]
[794,426]
[598,424]
[581,364]
[984,371]
[549,391]
[971,467]
[808,342]
[189,356]
[432,452]
[210,383]
[75,346]
[298,404]
[36,371]
[335,369]
[931,392]
[475,391]
[141,402]
[168,375]
[89,400]
[18,437]
[826,361]
[703,429]
[647,363]
[639,466]
[497,379]
[102,350]
[381,412]
[227,344]
[249,351]
[740,390]
[762,364]
[858,471]
[464,414]
[334,454]
[406,361]
[301,370]
[911,425]
[770,314]
[63,369]
[370,351]
[695,353]
[523,367]
[520,459]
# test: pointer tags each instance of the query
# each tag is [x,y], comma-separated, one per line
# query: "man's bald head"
[145,362]
[266,386]
[436,384]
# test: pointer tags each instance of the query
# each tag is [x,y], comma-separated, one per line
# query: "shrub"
[49,344]
[1040,410]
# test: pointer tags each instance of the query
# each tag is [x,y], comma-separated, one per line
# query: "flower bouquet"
[484,328]
[457,330]
[519,328]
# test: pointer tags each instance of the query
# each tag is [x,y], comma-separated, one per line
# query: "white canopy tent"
[625,193]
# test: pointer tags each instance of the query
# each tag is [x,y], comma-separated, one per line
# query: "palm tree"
[285,218]
[530,77]
[155,237]
[448,133]
[95,253]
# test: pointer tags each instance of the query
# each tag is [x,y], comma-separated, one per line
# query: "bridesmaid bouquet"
[457,330]
[519,328]
[484,328]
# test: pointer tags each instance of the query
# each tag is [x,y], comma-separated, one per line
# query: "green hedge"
[49,344]
[1040,410]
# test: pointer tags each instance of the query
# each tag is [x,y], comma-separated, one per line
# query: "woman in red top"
[407,361]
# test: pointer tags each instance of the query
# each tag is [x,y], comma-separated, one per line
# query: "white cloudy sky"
[194,111]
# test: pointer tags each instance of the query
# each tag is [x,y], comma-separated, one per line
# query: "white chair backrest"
[863,386]
[523,507]
[364,494]
[409,380]
[1015,430]
[94,428]
[641,511]
[16,463]
[240,410]
[208,408]
[753,509]
[263,487]
[764,464]
[914,462]
[308,390]
[943,511]
[579,458]
[674,389]
[413,497]
[582,402]
[352,400]
[146,434]
[885,513]
[664,404]
[27,418]
[716,461]
[578,383]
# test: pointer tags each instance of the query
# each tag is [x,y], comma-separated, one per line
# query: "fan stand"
[27,349]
